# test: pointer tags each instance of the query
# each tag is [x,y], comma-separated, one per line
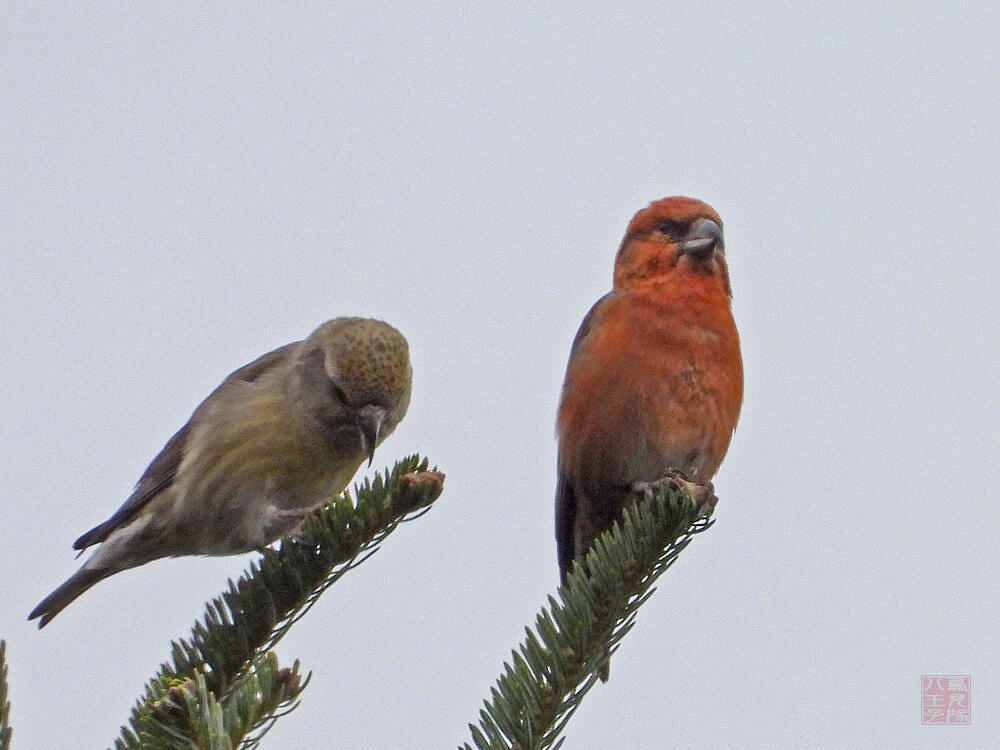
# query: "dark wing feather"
[565,526]
[587,323]
[565,495]
[159,475]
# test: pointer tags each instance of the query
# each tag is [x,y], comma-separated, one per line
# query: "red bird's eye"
[671,228]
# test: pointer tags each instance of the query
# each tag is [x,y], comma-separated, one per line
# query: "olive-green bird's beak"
[370,419]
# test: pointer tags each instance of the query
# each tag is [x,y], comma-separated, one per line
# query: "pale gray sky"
[186,188]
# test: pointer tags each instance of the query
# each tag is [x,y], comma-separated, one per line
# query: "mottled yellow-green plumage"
[366,358]
[278,438]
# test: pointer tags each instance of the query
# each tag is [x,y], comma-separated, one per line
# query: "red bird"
[655,379]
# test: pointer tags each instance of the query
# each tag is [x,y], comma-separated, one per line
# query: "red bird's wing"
[566,499]
[565,525]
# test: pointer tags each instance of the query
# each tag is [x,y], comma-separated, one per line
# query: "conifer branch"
[558,662]
[5,730]
[222,688]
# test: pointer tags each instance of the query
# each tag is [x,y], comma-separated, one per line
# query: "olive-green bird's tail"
[75,585]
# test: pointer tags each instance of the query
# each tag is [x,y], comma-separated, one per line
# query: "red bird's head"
[670,237]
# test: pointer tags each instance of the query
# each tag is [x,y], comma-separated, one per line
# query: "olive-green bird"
[277,439]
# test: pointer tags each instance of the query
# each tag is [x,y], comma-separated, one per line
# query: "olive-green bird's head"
[352,378]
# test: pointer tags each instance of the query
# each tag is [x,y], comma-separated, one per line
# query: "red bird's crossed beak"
[702,240]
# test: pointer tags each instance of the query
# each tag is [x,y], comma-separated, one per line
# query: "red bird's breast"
[655,382]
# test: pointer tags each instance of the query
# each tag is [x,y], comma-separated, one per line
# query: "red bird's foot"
[672,481]
[675,480]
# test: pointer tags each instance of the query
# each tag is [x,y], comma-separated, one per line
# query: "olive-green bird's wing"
[159,475]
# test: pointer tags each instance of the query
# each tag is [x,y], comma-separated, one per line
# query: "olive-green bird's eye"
[338,393]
